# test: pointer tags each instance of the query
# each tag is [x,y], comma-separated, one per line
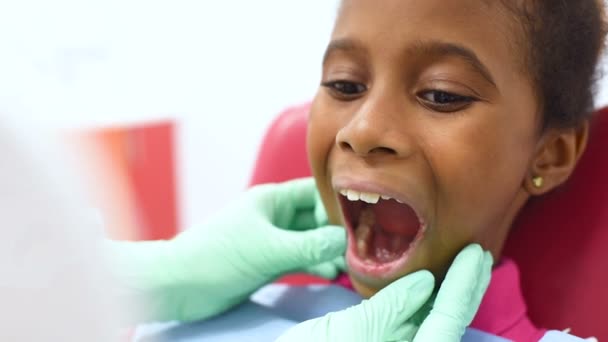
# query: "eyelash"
[337,88]
[443,101]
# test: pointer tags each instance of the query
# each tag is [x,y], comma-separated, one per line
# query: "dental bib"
[269,313]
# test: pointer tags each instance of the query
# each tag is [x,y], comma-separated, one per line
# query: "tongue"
[396,218]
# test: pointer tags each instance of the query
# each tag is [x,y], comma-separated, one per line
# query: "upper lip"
[370,186]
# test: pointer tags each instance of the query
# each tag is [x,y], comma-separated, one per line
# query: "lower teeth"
[383,255]
[364,238]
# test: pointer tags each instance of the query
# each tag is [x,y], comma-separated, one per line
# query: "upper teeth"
[366,197]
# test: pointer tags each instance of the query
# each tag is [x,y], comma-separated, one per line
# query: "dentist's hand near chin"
[267,232]
[400,312]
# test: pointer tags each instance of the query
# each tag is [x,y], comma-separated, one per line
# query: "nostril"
[383,150]
[345,146]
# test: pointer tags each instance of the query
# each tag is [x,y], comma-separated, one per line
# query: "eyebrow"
[443,49]
[345,45]
[436,48]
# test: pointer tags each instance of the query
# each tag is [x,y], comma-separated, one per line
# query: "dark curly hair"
[564,40]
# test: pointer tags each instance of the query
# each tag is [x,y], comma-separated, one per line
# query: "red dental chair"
[559,241]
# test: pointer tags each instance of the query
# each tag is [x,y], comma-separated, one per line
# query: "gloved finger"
[388,310]
[373,319]
[325,270]
[329,269]
[320,213]
[294,250]
[459,296]
[410,328]
[307,218]
[303,220]
[405,332]
[340,263]
[482,286]
[281,202]
[296,194]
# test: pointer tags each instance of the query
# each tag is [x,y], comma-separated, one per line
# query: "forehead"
[413,11]
[393,27]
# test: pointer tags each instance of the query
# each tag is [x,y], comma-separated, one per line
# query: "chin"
[364,290]
[368,286]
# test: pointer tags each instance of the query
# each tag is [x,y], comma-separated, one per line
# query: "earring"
[538,182]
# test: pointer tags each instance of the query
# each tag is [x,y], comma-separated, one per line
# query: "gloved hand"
[208,269]
[394,313]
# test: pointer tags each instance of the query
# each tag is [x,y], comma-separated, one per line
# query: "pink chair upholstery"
[559,241]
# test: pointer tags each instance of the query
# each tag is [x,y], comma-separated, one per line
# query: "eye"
[444,102]
[345,89]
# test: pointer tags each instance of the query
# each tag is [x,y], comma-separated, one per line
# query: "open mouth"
[382,233]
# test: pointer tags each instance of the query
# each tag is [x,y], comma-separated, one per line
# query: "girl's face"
[424,102]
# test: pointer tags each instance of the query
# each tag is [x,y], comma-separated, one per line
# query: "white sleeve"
[51,286]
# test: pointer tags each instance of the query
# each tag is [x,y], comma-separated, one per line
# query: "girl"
[437,120]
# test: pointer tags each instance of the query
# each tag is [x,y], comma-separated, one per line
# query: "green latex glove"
[206,270]
[394,313]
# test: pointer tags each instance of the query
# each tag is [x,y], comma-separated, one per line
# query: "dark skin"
[430,99]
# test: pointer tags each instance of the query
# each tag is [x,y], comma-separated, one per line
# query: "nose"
[376,129]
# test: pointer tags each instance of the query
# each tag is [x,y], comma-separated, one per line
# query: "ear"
[558,153]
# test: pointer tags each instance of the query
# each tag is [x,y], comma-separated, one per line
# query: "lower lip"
[383,271]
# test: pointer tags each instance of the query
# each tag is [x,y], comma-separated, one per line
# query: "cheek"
[322,130]
[480,166]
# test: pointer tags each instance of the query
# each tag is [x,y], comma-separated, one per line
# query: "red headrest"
[559,241]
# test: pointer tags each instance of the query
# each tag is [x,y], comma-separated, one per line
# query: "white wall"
[223,69]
